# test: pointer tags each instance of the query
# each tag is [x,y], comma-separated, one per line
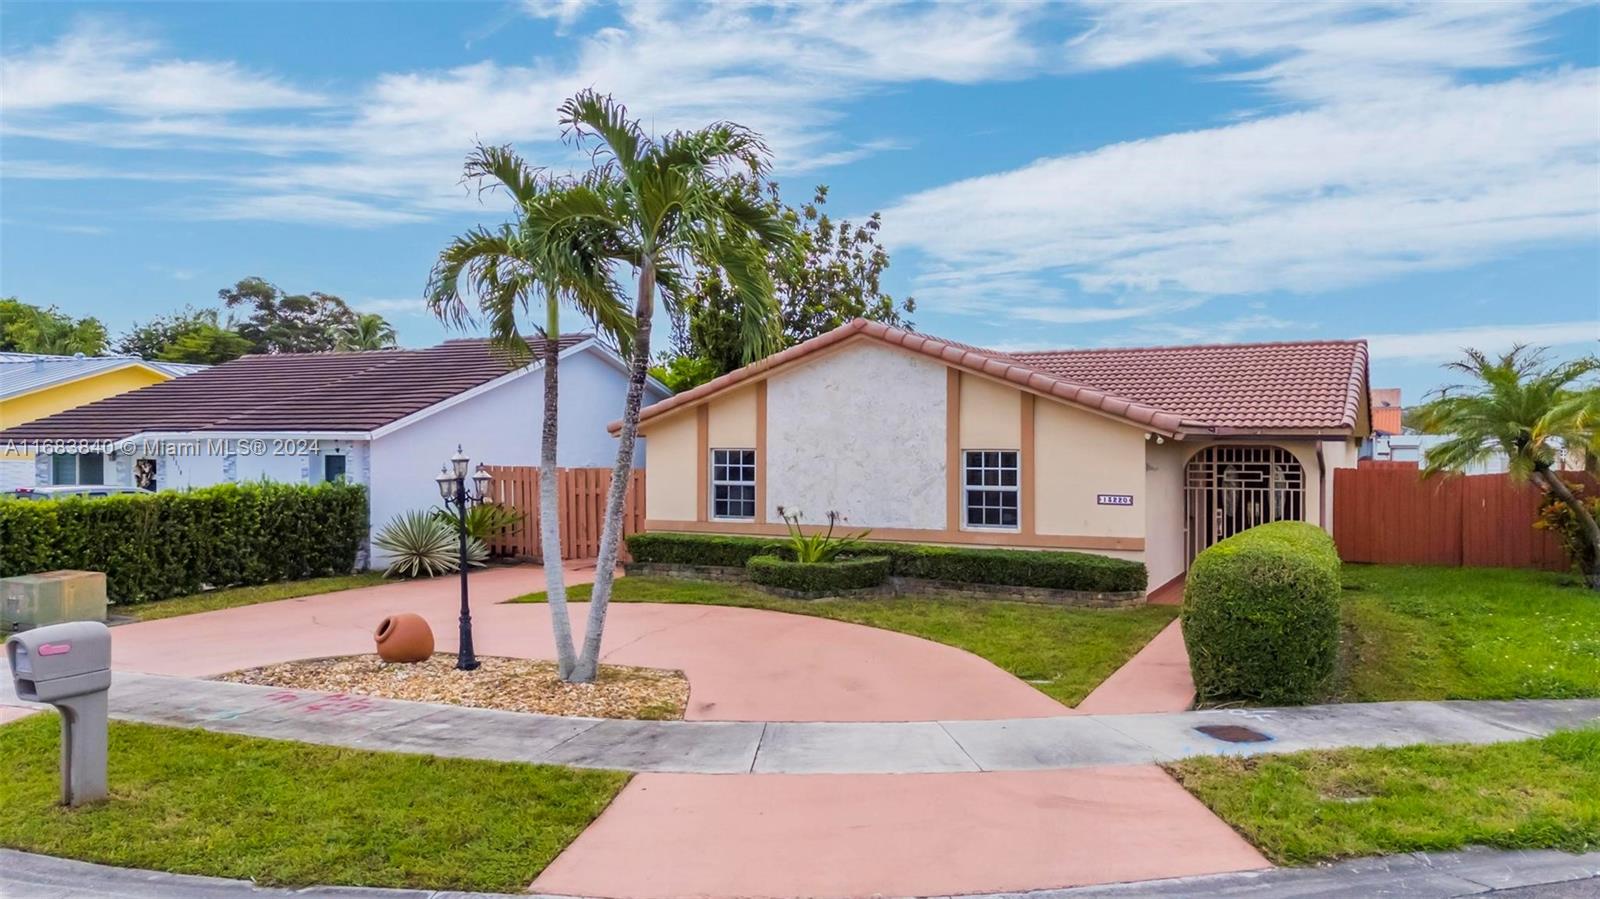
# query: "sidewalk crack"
[959,746]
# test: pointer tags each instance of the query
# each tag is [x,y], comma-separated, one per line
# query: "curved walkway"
[742,664]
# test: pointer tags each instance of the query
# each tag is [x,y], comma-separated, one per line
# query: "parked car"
[62,491]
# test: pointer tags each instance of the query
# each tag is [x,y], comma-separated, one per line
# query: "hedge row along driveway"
[177,543]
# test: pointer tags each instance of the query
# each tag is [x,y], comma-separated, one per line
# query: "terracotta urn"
[405,637]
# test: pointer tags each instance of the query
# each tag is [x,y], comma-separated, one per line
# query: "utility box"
[51,597]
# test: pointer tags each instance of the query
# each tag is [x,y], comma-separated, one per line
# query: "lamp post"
[452,482]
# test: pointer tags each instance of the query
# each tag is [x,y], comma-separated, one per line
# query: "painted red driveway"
[742,664]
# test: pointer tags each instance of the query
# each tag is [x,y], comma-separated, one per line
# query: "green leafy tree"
[27,328]
[368,331]
[1532,411]
[192,335]
[660,207]
[506,271]
[832,275]
[287,323]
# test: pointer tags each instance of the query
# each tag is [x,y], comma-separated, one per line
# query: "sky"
[1425,176]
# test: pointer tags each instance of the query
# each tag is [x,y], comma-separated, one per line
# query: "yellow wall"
[71,394]
[669,488]
[1079,455]
[732,423]
[991,414]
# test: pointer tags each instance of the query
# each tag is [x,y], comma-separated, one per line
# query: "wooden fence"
[1390,515]
[582,493]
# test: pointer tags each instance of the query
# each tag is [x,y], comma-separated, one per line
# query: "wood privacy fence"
[582,493]
[1390,515]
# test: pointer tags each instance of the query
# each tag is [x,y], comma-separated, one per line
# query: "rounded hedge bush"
[818,578]
[1261,615]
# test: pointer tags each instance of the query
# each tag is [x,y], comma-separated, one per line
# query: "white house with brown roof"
[1149,454]
[383,418]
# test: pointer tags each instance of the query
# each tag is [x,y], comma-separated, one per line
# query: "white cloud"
[1313,200]
[415,306]
[98,64]
[1447,344]
[1317,51]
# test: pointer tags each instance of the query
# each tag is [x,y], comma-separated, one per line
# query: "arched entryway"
[1231,487]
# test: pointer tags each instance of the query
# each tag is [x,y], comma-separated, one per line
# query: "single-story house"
[1141,453]
[384,418]
[34,385]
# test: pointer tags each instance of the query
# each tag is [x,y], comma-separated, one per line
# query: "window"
[733,483]
[77,468]
[333,468]
[991,488]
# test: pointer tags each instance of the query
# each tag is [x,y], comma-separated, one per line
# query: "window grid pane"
[992,497]
[91,468]
[733,483]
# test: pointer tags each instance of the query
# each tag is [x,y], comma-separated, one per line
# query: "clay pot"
[404,638]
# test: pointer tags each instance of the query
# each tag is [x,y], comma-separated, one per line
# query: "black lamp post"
[453,488]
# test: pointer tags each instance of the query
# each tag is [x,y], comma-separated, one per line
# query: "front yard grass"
[1063,652]
[1414,632]
[232,597]
[294,814]
[1312,807]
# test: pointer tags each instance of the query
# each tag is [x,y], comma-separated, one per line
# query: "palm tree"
[505,271]
[662,207]
[1527,409]
[368,331]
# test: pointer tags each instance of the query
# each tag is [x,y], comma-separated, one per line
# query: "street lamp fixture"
[452,481]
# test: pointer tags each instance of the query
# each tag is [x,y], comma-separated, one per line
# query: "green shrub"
[837,576]
[968,565]
[699,549]
[1261,615]
[426,544]
[173,543]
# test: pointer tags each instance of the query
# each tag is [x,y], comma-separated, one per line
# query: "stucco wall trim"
[987,537]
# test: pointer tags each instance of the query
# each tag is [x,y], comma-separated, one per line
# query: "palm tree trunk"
[549,502]
[1586,523]
[611,531]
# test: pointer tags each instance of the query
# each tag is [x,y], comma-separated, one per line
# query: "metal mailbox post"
[69,666]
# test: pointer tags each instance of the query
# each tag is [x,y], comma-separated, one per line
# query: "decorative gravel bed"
[513,685]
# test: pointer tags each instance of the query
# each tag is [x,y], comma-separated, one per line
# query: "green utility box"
[51,597]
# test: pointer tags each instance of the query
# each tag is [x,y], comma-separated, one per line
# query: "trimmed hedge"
[967,565]
[1261,615]
[159,545]
[854,573]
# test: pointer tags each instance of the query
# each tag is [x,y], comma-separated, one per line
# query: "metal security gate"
[1230,488]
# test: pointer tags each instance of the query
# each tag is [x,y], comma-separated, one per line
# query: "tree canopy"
[832,274]
[276,323]
[279,322]
[27,328]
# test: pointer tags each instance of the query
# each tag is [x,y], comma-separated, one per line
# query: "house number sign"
[1114,499]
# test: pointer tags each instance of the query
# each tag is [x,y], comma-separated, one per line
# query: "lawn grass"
[1312,807]
[232,597]
[1063,652]
[293,814]
[1414,632]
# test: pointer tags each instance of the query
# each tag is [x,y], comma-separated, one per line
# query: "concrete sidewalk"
[1436,875]
[726,747]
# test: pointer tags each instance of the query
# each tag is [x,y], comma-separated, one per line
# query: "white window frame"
[715,482]
[1015,489]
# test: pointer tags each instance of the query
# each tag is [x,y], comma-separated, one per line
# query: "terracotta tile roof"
[1306,386]
[1387,413]
[288,392]
[1246,386]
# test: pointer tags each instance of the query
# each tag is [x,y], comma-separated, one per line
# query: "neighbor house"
[33,386]
[1141,453]
[384,418]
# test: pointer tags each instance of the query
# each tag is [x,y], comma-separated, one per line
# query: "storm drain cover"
[1233,733]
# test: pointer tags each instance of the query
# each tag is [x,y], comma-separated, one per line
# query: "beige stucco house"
[1145,453]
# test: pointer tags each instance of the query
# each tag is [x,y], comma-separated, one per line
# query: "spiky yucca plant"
[421,545]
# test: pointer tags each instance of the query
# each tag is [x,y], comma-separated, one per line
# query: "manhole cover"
[1233,733]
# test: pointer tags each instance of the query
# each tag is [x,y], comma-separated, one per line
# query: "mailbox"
[69,666]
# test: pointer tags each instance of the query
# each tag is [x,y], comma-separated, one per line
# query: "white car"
[62,491]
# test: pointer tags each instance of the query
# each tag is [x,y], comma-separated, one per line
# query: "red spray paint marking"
[54,649]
